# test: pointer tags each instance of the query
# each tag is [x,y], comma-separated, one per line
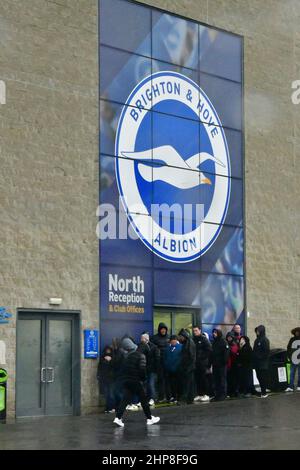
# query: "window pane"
[175,40]
[120,72]
[161,317]
[126,26]
[183,320]
[226,97]
[220,53]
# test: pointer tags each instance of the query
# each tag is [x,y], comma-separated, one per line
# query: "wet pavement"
[254,423]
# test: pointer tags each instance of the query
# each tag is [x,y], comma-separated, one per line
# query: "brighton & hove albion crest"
[172,166]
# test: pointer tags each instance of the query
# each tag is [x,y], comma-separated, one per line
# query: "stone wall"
[49,165]
[49,159]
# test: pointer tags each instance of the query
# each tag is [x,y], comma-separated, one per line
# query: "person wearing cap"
[172,361]
[133,374]
[152,355]
[237,331]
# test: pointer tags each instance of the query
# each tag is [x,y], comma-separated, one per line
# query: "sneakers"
[204,398]
[139,405]
[298,389]
[132,407]
[153,420]
[172,400]
[198,398]
[264,396]
[289,389]
[119,422]
[151,402]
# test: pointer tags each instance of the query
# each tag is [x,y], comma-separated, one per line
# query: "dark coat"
[220,351]
[105,371]
[152,354]
[261,349]
[203,351]
[188,354]
[245,357]
[133,367]
[161,341]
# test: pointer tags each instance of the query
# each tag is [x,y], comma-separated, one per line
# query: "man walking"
[133,375]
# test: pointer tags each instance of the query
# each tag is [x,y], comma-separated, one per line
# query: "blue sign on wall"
[4,315]
[91,344]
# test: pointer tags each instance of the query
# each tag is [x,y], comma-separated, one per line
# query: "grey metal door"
[47,364]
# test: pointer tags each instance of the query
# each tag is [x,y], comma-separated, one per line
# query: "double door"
[48,364]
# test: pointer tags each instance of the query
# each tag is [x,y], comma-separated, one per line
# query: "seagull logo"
[159,166]
[165,164]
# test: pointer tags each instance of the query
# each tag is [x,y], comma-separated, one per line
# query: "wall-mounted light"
[55,301]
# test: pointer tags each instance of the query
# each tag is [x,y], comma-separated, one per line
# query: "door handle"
[52,375]
[43,369]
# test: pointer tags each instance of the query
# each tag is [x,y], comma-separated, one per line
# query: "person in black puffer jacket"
[161,340]
[203,353]
[261,352]
[133,374]
[187,366]
[220,354]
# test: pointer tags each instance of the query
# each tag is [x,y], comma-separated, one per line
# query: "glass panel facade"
[171,146]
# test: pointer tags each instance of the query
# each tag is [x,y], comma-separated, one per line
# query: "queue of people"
[186,368]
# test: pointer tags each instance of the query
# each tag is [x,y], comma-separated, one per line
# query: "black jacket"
[220,351]
[294,345]
[188,354]
[105,371]
[161,341]
[245,357]
[152,354]
[261,349]
[133,367]
[203,351]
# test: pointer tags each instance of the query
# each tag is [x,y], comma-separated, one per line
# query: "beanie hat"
[146,337]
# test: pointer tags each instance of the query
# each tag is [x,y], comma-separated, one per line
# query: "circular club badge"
[173,166]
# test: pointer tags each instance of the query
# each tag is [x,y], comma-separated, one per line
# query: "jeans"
[162,383]
[151,385]
[174,389]
[294,368]
[201,380]
[187,387]
[220,385]
[107,389]
[131,389]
